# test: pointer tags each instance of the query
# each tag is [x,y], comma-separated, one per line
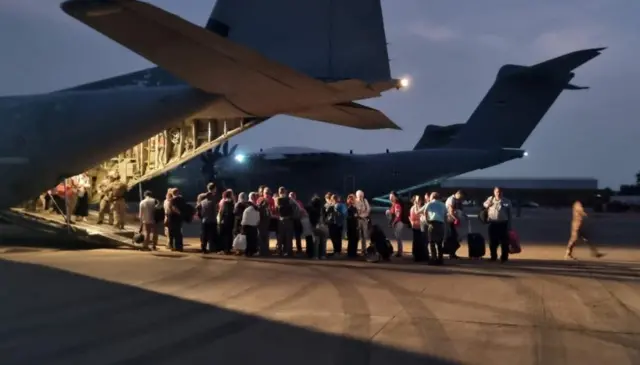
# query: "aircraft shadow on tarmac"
[599,270]
[52,317]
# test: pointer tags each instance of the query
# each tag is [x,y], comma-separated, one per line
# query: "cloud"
[559,41]
[493,41]
[433,32]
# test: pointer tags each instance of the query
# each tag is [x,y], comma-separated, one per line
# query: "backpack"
[406,211]
[187,211]
[285,207]
[158,213]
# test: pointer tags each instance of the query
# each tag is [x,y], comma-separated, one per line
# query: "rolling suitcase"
[475,244]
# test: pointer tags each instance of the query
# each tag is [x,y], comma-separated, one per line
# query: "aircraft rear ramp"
[169,149]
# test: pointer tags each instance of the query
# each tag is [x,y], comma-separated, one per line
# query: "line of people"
[260,214]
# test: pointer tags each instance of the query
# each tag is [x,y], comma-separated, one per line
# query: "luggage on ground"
[514,242]
[475,244]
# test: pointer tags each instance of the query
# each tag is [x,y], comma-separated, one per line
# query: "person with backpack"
[286,210]
[399,218]
[206,208]
[226,221]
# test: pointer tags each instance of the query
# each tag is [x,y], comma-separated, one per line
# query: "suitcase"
[475,244]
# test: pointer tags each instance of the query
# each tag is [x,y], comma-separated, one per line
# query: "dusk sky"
[452,51]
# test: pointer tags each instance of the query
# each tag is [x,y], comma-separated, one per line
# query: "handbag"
[240,242]
[138,237]
[514,243]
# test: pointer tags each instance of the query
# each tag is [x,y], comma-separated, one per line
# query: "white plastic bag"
[240,242]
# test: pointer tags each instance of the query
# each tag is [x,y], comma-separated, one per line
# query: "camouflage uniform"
[118,205]
[104,190]
[578,232]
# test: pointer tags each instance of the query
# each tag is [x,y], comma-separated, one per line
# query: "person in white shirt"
[364,221]
[249,224]
[83,187]
[454,214]
[435,212]
[499,219]
[148,224]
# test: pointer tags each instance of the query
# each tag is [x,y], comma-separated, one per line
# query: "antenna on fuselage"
[387,150]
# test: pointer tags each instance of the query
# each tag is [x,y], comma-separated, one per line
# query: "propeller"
[210,157]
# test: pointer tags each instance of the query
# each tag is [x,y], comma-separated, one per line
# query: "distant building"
[544,191]
[523,183]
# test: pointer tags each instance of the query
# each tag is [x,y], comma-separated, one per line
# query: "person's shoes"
[598,255]
[398,254]
[569,256]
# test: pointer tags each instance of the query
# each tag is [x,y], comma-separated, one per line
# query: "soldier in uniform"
[104,191]
[578,232]
[118,205]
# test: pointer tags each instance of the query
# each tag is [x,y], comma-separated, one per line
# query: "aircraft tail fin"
[435,136]
[518,100]
[329,40]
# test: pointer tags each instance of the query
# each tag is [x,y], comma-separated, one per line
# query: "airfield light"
[405,82]
[240,158]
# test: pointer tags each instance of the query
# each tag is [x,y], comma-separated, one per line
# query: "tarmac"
[66,301]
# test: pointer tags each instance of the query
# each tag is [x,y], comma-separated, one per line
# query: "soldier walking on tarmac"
[118,205]
[105,193]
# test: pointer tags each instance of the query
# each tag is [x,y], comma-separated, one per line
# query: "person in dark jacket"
[226,220]
[320,230]
[334,221]
[352,227]
[174,220]
[239,208]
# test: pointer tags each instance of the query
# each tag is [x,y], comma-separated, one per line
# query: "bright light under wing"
[405,82]
[240,158]
[525,154]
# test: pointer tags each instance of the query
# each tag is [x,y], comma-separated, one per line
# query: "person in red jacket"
[395,216]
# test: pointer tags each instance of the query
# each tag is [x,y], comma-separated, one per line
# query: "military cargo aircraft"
[253,60]
[512,108]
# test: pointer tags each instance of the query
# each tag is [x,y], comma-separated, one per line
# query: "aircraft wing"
[349,114]
[205,60]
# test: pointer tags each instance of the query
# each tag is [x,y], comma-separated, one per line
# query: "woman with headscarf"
[239,208]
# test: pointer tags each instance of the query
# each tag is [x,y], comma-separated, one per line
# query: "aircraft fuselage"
[375,174]
[51,136]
